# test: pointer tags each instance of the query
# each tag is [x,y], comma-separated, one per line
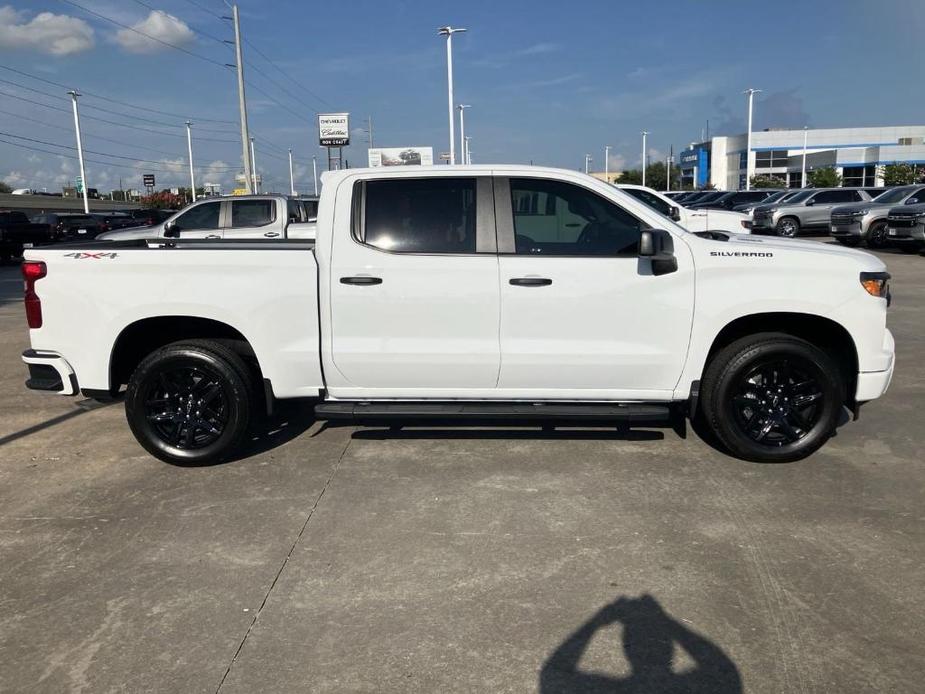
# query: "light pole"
[242,104]
[448,31]
[748,139]
[189,148]
[254,187]
[291,179]
[315,172]
[606,162]
[462,130]
[588,160]
[80,151]
[645,134]
[466,156]
[803,175]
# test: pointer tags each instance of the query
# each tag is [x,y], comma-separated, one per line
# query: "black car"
[701,197]
[70,225]
[150,216]
[112,221]
[728,201]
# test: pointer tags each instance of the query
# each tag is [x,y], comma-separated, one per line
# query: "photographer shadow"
[650,636]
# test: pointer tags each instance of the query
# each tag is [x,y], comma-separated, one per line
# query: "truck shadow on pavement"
[82,407]
[379,434]
[650,638]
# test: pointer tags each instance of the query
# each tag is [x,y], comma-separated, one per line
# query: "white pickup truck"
[469,294]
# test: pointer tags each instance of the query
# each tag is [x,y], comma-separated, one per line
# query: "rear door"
[413,286]
[820,211]
[253,219]
[582,316]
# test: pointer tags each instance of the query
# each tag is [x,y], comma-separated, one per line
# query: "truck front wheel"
[189,403]
[772,397]
[788,227]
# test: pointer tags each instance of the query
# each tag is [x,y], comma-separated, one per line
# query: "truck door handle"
[362,280]
[531,281]
[272,233]
[213,236]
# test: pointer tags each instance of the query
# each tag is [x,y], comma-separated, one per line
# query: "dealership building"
[856,153]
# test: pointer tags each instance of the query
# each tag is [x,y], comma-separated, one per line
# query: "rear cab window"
[252,213]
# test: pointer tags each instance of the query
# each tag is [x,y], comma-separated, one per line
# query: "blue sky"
[547,81]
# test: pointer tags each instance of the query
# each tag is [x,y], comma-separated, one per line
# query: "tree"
[656,177]
[163,200]
[4,188]
[900,174]
[762,181]
[633,176]
[824,177]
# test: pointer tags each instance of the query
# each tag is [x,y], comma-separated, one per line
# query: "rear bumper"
[49,372]
[873,384]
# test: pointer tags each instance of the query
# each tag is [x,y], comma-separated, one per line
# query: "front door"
[201,221]
[414,292]
[582,316]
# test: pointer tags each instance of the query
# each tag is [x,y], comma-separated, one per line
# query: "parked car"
[241,217]
[17,233]
[702,196]
[906,227]
[808,210]
[69,225]
[690,219]
[674,194]
[729,200]
[488,294]
[777,196]
[109,221]
[867,221]
[147,217]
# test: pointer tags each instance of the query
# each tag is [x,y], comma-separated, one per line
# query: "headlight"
[859,213]
[877,284]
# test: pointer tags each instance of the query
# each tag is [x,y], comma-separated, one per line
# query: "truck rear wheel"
[190,403]
[772,397]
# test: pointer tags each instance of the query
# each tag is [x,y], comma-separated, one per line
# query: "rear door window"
[252,213]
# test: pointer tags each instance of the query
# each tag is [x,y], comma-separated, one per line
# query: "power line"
[141,33]
[116,101]
[287,75]
[195,29]
[205,9]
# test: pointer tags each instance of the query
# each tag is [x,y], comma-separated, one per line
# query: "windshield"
[894,195]
[774,197]
[802,195]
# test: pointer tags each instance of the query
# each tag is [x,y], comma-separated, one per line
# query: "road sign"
[80,185]
[148,180]
[445,156]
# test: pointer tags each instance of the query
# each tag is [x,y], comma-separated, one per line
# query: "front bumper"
[873,384]
[906,234]
[846,229]
[50,372]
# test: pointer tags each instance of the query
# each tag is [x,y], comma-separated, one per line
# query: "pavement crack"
[282,566]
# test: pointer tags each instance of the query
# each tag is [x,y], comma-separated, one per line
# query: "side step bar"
[493,413]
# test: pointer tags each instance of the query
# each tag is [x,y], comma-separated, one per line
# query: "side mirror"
[675,213]
[810,202]
[171,230]
[912,201]
[657,246]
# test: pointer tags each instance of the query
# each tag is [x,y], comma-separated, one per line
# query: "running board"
[494,413]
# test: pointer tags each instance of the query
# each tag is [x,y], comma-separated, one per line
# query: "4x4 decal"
[99,255]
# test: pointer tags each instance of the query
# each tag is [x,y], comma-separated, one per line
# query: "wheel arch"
[825,333]
[140,338]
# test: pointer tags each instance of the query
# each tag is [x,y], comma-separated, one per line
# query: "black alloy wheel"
[877,235]
[187,407]
[788,227]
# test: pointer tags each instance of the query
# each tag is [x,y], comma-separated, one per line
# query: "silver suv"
[808,210]
[867,221]
[906,227]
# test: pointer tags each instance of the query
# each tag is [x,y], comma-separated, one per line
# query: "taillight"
[33,270]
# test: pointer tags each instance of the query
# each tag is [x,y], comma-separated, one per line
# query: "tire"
[749,393]
[788,227]
[850,241]
[169,385]
[876,236]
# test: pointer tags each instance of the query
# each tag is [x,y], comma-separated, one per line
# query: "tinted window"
[435,215]
[294,211]
[203,216]
[252,213]
[829,196]
[653,201]
[565,219]
[311,208]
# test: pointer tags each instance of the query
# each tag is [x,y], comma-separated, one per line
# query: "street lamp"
[748,139]
[448,31]
[467,156]
[80,150]
[588,160]
[803,176]
[606,162]
[462,131]
[645,133]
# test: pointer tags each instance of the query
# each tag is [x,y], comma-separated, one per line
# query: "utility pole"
[315,172]
[466,157]
[291,179]
[645,134]
[748,140]
[255,188]
[803,176]
[448,31]
[369,130]
[242,104]
[462,130]
[588,160]
[80,151]
[606,163]
[189,147]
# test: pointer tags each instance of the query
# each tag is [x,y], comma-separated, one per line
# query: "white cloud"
[158,25]
[616,162]
[57,34]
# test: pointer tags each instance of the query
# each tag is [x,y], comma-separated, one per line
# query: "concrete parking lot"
[338,559]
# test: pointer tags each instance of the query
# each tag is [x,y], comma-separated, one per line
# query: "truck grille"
[762,215]
[842,219]
[902,220]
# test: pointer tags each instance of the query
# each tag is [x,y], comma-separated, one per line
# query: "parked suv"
[730,200]
[806,211]
[70,225]
[867,221]
[777,196]
[906,227]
